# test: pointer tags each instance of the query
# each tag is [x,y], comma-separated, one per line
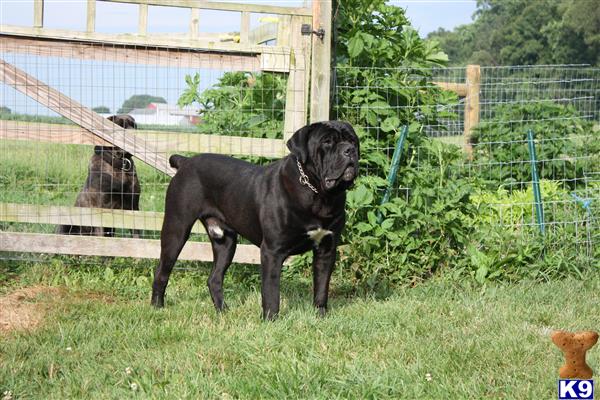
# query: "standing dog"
[112,182]
[288,207]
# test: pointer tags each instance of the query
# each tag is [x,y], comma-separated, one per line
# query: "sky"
[425,15]
[109,83]
[429,15]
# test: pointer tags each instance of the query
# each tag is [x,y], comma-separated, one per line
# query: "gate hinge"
[307,30]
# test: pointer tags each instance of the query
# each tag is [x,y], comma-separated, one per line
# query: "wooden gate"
[297,56]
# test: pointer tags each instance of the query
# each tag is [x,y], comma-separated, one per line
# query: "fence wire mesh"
[56,176]
[487,113]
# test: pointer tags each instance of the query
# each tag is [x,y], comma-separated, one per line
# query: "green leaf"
[481,274]
[355,46]
[440,56]
[390,124]
[363,227]
[372,218]
[380,107]
[387,224]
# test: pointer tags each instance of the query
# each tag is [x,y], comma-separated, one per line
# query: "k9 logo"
[575,389]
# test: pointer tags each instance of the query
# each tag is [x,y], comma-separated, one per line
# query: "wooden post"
[143,21]
[297,86]
[38,13]
[321,62]
[473,82]
[91,16]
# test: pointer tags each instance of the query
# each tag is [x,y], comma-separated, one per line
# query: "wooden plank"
[162,142]
[321,63]
[471,118]
[264,33]
[82,116]
[155,40]
[284,31]
[85,216]
[143,20]
[38,13]
[459,88]
[91,16]
[276,61]
[163,57]
[223,6]
[113,247]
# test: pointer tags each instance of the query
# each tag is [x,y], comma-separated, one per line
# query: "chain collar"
[304,178]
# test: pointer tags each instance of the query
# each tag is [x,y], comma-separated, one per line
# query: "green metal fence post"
[396,157]
[537,195]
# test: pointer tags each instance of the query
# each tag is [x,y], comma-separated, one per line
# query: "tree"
[139,101]
[101,110]
[512,32]
[5,110]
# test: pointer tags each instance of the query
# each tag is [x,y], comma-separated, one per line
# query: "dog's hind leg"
[172,239]
[223,243]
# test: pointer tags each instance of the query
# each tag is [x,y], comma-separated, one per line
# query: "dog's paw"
[157,301]
[322,311]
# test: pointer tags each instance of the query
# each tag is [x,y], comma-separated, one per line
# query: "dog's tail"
[177,161]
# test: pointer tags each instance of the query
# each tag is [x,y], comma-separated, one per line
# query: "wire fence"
[56,177]
[558,104]
[47,162]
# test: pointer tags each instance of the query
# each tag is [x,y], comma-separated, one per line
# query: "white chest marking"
[316,235]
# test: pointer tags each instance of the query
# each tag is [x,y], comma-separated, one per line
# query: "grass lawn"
[97,337]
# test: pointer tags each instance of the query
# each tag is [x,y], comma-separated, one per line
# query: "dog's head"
[330,151]
[112,152]
[124,121]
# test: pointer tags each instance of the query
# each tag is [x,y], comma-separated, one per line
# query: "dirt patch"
[24,309]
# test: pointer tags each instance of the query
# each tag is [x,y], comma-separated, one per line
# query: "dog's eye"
[327,142]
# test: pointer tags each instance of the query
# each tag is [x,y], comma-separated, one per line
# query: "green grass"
[489,342]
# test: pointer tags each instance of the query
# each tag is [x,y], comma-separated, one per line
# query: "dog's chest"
[317,235]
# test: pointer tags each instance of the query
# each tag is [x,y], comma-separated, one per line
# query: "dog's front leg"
[271,264]
[323,261]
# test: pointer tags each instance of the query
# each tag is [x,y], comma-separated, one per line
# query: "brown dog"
[112,182]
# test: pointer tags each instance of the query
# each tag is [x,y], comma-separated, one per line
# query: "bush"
[240,103]
[500,150]
[421,232]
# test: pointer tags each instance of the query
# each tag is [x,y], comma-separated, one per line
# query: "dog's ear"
[98,150]
[298,143]
[128,122]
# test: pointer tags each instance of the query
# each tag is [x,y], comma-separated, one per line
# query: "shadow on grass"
[131,279]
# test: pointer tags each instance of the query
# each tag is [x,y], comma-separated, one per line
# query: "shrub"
[240,103]
[420,232]
[500,150]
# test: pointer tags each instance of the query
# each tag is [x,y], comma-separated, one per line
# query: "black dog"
[112,182]
[288,207]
